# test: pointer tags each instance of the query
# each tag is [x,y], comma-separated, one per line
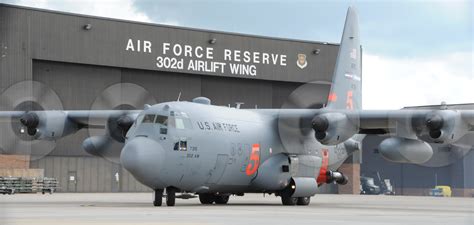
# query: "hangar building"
[81,59]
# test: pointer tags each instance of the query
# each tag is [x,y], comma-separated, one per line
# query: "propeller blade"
[124,96]
[447,154]
[17,134]
[294,131]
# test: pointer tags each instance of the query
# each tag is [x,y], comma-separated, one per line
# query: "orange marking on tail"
[349,102]
[332,97]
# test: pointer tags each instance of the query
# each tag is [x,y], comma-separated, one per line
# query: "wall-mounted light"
[316,51]
[212,41]
[87,26]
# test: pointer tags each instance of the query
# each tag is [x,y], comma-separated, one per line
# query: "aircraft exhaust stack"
[335,176]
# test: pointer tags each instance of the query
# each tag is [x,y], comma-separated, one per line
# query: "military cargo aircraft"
[186,148]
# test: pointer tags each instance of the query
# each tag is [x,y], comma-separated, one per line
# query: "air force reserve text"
[204,59]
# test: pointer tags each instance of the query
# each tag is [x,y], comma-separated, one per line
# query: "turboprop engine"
[403,150]
[116,129]
[445,126]
[50,125]
[334,128]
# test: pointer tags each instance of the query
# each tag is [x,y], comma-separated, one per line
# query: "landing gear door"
[305,165]
[294,165]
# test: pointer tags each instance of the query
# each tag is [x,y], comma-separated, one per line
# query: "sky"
[415,52]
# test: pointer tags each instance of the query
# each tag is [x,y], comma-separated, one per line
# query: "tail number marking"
[252,167]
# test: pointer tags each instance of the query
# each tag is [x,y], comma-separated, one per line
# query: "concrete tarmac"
[252,209]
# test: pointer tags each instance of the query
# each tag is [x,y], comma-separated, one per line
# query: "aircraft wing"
[55,124]
[333,126]
[416,120]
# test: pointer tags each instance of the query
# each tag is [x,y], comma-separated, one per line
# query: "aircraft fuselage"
[204,148]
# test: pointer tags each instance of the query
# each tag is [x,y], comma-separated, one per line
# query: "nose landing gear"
[170,197]
[158,198]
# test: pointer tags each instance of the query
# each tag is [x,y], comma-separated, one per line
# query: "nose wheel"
[157,201]
[170,196]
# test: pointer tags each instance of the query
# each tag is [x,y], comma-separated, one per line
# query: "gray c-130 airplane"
[185,148]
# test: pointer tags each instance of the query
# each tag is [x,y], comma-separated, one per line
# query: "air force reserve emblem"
[301,62]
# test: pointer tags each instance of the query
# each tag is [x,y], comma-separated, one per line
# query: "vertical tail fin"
[346,89]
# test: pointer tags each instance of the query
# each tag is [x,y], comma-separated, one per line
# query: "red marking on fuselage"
[332,97]
[252,167]
[349,102]
[322,177]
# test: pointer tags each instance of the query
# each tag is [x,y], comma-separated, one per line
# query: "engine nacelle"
[103,146]
[444,126]
[402,150]
[271,176]
[334,128]
[48,125]
[303,186]
[117,127]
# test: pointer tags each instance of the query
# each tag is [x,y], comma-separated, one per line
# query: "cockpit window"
[149,118]
[180,120]
[163,120]
[139,119]
[179,123]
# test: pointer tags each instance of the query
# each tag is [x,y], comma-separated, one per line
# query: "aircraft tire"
[170,196]
[206,199]
[288,200]
[222,199]
[158,197]
[303,201]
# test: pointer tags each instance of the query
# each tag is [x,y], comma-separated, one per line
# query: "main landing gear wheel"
[158,197]
[303,201]
[222,199]
[170,196]
[288,200]
[206,199]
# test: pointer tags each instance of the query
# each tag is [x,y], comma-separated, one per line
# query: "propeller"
[295,131]
[428,127]
[107,139]
[434,123]
[31,121]
[447,154]
[18,134]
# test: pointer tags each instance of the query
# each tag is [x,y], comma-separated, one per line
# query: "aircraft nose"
[143,158]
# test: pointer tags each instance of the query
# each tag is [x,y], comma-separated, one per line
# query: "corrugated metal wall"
[55,36]
[88,174]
